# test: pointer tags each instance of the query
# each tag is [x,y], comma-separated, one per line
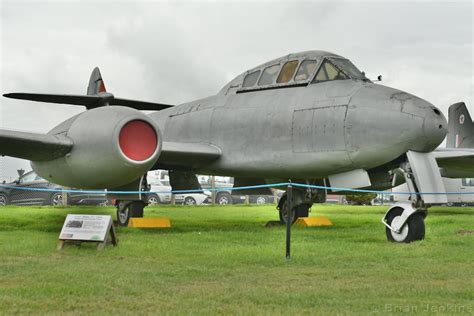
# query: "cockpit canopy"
[300,69]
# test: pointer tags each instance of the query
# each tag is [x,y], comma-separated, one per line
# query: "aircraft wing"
[455,162]
[44,147]
[191,154]
[33,146]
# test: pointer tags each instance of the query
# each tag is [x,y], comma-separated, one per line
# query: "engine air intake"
[138,140]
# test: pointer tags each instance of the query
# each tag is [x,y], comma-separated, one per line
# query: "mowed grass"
[222,260]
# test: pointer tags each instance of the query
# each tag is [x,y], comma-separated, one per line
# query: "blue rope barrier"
[373,191]
[283,184]
[142,192]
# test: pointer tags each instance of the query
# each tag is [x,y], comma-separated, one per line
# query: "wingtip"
[11,95]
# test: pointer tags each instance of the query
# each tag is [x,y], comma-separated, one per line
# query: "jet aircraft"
[311,117]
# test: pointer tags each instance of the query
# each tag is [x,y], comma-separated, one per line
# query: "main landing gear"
[302,200]
[298,211]
[127,209]
[131,205]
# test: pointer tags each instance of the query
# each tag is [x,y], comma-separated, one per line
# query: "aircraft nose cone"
[383,123]
[434,127]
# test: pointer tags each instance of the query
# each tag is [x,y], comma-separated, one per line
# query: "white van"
[464,186]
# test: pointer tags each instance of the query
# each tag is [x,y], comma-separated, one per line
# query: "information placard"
[86,227]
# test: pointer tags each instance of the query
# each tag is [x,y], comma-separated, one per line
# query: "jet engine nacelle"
[112,146]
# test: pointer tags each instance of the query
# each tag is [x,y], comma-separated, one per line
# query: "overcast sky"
[172,53]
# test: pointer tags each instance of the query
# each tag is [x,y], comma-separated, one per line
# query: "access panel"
[319,129]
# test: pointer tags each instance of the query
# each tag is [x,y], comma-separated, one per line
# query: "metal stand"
[289,218]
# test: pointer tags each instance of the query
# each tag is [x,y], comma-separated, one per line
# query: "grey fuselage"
[305,131]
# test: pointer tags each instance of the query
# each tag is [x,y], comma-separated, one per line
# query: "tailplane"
[460,127]
[97,96]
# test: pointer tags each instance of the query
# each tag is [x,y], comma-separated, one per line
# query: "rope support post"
[289,213]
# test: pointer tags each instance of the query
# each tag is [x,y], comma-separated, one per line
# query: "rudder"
[96,84]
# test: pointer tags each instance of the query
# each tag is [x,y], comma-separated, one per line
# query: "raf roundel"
[461,119]
[138,140]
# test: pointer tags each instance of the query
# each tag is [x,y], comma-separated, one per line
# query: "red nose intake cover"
[138,140]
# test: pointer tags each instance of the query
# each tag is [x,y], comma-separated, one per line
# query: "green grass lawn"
[221,260]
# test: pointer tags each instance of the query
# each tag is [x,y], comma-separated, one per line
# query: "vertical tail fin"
[96,84]
[460,127]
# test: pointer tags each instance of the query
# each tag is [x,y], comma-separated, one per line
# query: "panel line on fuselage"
[295,85]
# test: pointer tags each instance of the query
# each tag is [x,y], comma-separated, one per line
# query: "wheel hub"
[403,232]
[123,214]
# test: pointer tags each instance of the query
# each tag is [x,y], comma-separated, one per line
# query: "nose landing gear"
[404,223]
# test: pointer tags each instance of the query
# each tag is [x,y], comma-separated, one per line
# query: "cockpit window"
[269,75]
[287,71]
[251,79]
[305,70]
[328,72]
[348,68]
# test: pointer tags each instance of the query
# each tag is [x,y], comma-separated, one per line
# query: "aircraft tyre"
[414,228]
[127,209]
[298,211]
[282,215]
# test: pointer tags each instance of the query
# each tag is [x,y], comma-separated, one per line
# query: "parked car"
[382,199]
[18,193]
[224,195]
[253,199]
[193,198]
[159,179]
[162,194]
